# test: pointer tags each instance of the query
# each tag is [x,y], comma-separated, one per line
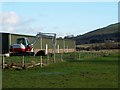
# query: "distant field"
[102,44]
[89,71]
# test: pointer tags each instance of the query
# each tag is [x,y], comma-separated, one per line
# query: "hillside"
[101,35]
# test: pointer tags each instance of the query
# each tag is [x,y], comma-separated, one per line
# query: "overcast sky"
[63,18]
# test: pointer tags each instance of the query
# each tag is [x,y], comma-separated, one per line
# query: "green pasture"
[77,70]
[97,44]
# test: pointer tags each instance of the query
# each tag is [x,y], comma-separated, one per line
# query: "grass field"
[98,44]
[95,72]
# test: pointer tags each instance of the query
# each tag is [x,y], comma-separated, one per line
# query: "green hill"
[101,35]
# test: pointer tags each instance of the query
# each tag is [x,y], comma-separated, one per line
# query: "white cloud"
[9,18]
[11,22]
[9,29]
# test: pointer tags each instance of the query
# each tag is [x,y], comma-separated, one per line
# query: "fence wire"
[31,61]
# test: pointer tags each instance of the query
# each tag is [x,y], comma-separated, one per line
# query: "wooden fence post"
[46,49]
[3,62]
[61,57]
[47,59]
[41,61]
[79,55]
[58,49]
[54,58]
[23,62]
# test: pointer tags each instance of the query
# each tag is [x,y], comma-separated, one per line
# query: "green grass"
[96,72]
[113,28]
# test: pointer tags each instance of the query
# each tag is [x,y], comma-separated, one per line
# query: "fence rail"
[22,62]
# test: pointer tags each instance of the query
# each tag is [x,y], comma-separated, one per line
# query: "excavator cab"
[22,47]
[24,41]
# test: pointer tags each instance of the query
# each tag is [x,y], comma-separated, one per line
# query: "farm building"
[62,45]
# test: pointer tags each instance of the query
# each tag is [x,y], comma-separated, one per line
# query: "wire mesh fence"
[31,61]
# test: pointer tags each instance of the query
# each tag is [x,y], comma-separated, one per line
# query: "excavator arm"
[40,35]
